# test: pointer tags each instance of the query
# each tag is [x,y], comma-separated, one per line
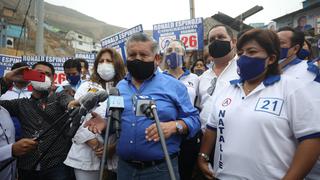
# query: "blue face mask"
[250,67]
[303,53]
[174,60]
[284,53]
[73,80]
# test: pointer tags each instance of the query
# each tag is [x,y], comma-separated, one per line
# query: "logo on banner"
[190,32]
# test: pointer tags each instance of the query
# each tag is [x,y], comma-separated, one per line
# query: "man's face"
[220,33]
[285,38]
[285,42]
[46,70]
[71,72]
[142,51]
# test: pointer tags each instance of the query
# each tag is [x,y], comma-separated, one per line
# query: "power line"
[15,10]
[23,25]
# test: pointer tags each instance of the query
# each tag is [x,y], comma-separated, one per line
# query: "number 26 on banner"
[190,40]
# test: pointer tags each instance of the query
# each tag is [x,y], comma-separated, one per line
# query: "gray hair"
[142,37]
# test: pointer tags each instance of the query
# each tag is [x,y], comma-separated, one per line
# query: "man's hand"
[203,166]
[72,104]
[99,151]
[15,75]
[23,146]
[168,128]
[96,124]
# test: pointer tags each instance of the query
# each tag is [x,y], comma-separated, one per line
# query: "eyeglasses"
[176,49]
[212,87]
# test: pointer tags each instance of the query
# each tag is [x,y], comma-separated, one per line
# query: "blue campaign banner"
[2,69]
[7,61]
[90,57]
[117,41]
[190,32]
[57,62]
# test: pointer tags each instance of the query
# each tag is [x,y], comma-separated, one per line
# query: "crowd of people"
[246,110]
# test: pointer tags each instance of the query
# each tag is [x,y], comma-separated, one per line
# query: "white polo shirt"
[257,135]
[205,81]
[298,68]
[191,81]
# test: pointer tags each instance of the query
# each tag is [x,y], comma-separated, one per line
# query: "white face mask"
[106,71]
[42,86]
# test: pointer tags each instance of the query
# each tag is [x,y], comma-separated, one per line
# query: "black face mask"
[218,49]
[140,70]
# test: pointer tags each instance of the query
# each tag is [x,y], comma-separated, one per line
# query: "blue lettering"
[221,139]
[222,113]
[221,130]
[221,150]
[220,164]
[221,122]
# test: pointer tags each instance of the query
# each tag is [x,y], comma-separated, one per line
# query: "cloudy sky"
[128,13]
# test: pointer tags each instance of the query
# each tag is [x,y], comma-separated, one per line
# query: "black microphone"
[116,105]
[88,102]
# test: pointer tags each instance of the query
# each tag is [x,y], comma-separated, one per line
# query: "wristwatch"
[179,128]
[204,156]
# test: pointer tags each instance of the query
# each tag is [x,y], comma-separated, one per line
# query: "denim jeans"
[157,172]
[59,172]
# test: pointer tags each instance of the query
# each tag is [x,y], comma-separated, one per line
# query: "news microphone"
[116,105]
[142,104]
[88,102]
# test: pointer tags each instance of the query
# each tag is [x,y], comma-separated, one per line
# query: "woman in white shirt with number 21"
[264,125]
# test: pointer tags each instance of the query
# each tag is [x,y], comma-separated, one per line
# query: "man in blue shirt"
[72,70]
[139,148]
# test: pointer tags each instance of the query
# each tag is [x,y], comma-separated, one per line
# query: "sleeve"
[6,152]
[187,112]
[82,90]
[3,86]
[83,134]
[303,111]
[12,106]
[206,114]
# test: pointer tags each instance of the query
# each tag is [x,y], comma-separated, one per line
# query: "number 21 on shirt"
[269,105]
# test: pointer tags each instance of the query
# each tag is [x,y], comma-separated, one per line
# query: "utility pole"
[192,9]
[39,36]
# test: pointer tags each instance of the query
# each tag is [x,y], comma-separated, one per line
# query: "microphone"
[116,105]
[88,102]
[142,104]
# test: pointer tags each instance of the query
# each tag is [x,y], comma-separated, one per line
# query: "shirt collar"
[186,72]
[312,67]
[128,77]
[291,63]
[271,79]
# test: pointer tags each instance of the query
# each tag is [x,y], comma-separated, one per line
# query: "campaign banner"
[190,32]
[57,62]
[118,40]
[89,57]
[6,63]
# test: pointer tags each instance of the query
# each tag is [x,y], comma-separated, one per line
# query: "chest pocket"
[269,105]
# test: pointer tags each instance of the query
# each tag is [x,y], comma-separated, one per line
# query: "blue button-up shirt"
[172,102]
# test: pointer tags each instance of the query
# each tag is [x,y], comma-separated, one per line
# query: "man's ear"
[233,42]
[296,48]
[157,59]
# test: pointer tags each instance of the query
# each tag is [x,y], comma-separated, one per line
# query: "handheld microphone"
[88,102]
[116,105]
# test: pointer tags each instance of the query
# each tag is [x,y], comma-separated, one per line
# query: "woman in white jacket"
[87,148]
